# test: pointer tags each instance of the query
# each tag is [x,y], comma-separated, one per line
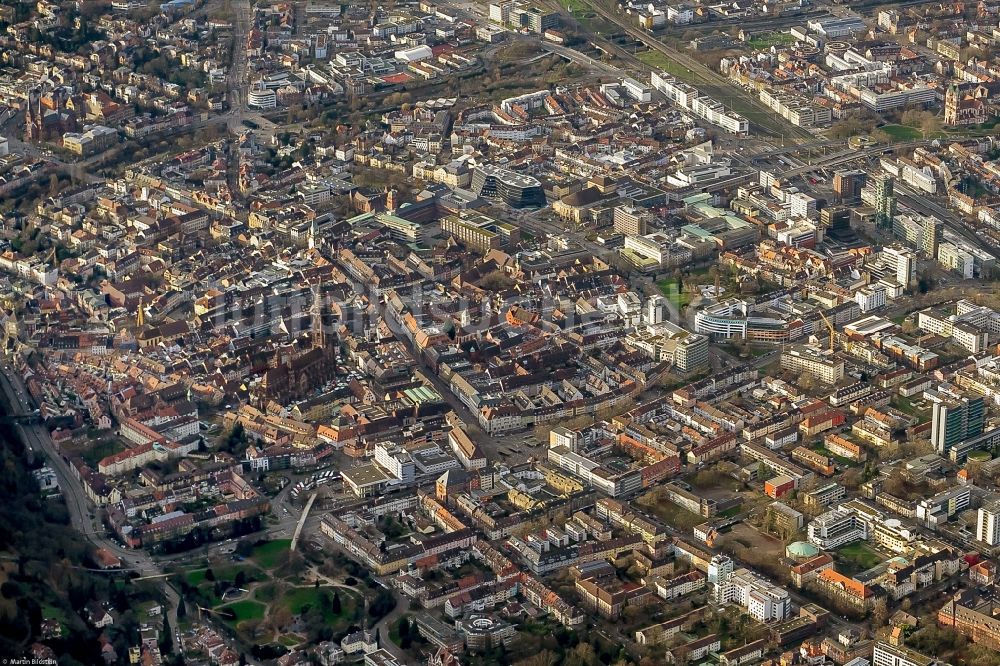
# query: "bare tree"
[880,613]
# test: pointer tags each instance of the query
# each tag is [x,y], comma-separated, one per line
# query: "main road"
[237,76]
[581,58]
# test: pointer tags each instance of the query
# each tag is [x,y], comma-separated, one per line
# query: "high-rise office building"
[903,262]
[885,200]
[988,523]
[930,240]
[955,420]
[534,18]
[847,184]
[923,233]
[657,309]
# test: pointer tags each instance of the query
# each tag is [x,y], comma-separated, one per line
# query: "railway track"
[713,84]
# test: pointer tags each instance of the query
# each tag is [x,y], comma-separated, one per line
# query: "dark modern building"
[514,189]
[885,200]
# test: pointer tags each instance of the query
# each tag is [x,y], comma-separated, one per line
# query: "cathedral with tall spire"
[316,334]
[299,366]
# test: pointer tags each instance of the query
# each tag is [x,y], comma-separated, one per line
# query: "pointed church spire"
[316,320]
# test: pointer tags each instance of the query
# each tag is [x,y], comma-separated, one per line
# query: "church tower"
[316,321]
[952,100]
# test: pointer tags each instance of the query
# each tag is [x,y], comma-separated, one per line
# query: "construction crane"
[833,333]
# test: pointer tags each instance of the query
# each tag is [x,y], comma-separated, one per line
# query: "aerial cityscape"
[525,332]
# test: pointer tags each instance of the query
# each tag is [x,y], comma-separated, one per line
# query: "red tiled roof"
[400,77]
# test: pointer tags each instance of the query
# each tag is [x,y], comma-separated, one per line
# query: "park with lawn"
[902,132]
[267,593]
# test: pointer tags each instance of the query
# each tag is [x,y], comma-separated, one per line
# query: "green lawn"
[588,18]
[265,593]
[710,478]
[302,597]
[53,613]
[267,554]
[229,572]
[769,39]
[859,556]
[196,577]
[659,61]
[902,132]
[754,350]
[679,297]
[245,610]
[394,630]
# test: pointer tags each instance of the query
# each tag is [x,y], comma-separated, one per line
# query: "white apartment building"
[395,461]
[957,259]
[836,528]
[689,98]
[261,97]
[680,14]
[967,330]
[802,205]
[314,193]
[822,365]
[887,654]
[942,506]
[988,523]
[763,601]
[871,297]
[879,102]
[903,261]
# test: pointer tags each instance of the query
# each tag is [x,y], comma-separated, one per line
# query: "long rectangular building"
[690,99]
